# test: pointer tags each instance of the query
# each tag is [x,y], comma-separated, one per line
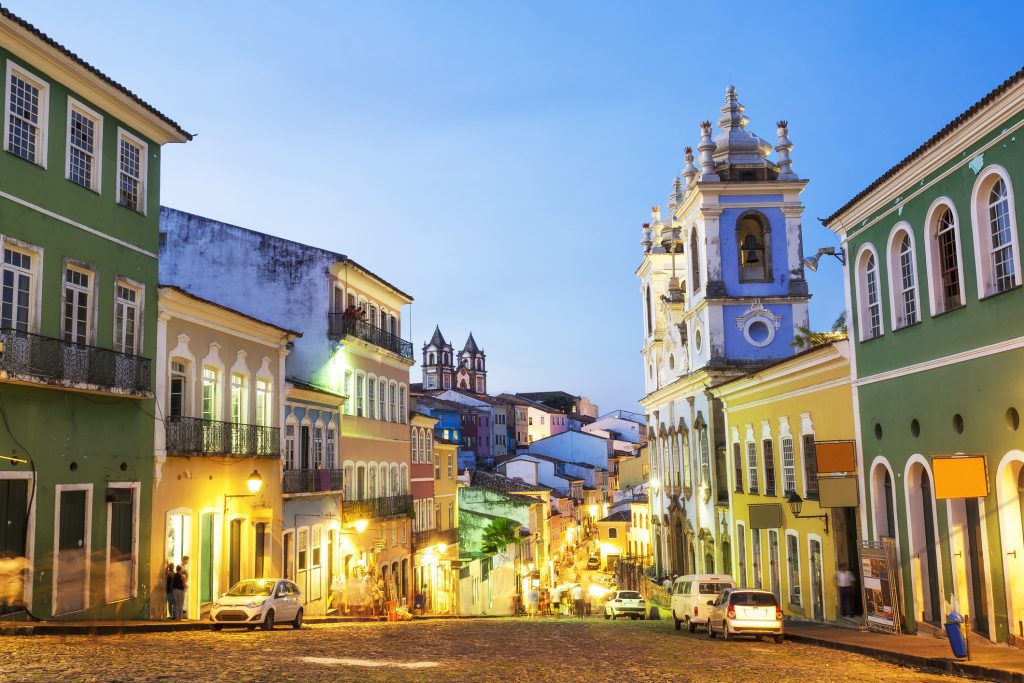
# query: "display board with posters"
[881,583]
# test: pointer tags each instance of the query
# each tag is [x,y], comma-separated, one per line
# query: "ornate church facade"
[441,371]
[723,292]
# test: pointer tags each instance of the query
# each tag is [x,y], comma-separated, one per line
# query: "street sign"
[960,476]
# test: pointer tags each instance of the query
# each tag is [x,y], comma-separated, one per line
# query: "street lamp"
[796,503]
[254,482]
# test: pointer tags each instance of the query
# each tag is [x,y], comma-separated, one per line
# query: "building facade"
[933,275]
[723,292]
[79,201]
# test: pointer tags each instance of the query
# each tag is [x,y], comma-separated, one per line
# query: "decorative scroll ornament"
[757,310]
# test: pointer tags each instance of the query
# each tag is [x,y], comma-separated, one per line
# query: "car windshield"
[713,588]
[753,599]
[254,587]
[629,595]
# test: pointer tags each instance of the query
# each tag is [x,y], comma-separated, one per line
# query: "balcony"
[429,537]
[376,508]
[311,481]
[340,325]
[46,360]
[196,436]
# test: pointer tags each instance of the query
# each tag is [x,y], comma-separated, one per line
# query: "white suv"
[625,604]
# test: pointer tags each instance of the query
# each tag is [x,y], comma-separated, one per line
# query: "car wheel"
[268,621]
[633,617]
[778,639]
[607,615]
[643,617]
[711,631]
[250,628]
[679,624]
[691,627]
[297,621]
[216,627]
[725,630]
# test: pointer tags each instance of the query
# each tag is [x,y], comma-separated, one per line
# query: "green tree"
[498,534]
[805,338]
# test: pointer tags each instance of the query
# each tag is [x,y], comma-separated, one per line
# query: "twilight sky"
[496,159]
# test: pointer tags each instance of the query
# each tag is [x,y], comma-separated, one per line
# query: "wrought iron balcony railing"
[376,508]
[51,360]
[311,481]
[340,325]
[429,537]
[196,436]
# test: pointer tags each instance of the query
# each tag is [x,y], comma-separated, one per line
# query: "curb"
[941,664]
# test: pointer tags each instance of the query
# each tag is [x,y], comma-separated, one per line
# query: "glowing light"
[598,591]
[593,511]
[655,484]
[531,566]
[254,482]
[361,525]
[442,547]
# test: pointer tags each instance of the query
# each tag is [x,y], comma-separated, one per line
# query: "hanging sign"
[960,476]
[836,457]
[837,492]
[765,515]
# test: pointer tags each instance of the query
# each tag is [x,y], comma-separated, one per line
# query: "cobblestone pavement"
[471,650]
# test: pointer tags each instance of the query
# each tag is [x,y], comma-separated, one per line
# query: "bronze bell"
[751,247]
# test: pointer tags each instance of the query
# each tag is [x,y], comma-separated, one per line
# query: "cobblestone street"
[477,650]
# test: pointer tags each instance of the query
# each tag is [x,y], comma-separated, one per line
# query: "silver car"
[745,612]
[258,602]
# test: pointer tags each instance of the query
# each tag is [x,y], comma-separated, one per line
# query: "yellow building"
[776,419]
[217,480]
[613,538]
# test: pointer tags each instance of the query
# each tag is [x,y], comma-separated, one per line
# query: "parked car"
[594,562]
[258,602]
[745,612]
[690,595]
[603,579]
[625,604]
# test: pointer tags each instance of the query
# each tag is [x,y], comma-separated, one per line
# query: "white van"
[690,595]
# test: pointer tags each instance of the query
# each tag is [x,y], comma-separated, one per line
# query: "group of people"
[568,600]
[176,582]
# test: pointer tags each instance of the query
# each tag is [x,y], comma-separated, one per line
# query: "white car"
[625,604]
[745,612]
[258,602]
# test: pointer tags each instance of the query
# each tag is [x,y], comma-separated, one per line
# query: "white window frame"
[403,415]
[415,445]
[291,454]
[264,401]
[319,436]
[97,156]
[34,273]
[143,179]
[864,305]
[348,389]
[57,490]
[393,401]
[741,551]
[360,394]
[932,259]
[140,293]
[753,468]
[381,398]
[756,559]
[44,111]
[982,232]
[91,292]
[790,572]
[371,396]
[136,490]
[218,409]
[897,307]
[331,446]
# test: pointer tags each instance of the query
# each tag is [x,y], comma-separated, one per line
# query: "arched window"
[694,262]
[403,416]
[432,359]
[415,445]
[381,391]
[650,316]
[902,278]
[944,276]
[404,479]
[754,257]
[995,232]
[870,305]
[373,315]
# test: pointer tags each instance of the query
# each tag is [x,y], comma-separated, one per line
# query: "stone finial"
[707,150]
[676,198]
[732,111]
[655,214]
[645,237]
[783,147]
[689,170]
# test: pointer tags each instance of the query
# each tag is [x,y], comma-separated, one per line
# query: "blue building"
[723,291]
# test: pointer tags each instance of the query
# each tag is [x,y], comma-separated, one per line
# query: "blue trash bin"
[956,635]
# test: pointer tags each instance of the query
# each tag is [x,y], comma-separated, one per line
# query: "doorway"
[71,582]
[235,552]
[773,564]
[14,513]
[923,553]
[817,584]
[206,558]
[976,564]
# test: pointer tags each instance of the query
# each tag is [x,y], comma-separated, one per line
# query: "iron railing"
[429,537]
[56,360]
[194,435]
[340,324]
[376,508]
[312,481]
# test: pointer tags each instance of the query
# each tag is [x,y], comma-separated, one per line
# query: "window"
[238,411]
[264,403]
[392,409]
[316,546]
[788,466]
[995,232]
[126,318]
[741,552]
[131,172]
[332,440]
[85,144]
[451,516]
[737,461]
[870,305]
[77,289]
[694,262]
[768,449]
[381,390]
[948,261]
[755,556]
[752,466]
[1002,237]
[810,466]
[613,533]
[793,559]
[371,400]
[347,389]
[451,474]
[17,294]
[289,449]
[178,391]
[904,281]
[752,248]
[26,115]
[346,482]
[415,446]
[301,546]
[360,407]
[318,446]
[211,394]
[437,468]
[402,415]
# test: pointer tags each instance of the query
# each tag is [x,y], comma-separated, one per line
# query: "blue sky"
[496,160]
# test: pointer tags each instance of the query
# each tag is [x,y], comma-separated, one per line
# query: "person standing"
[556,600]
[577,600]
[169,588]
[178,590]
[845,580]
[185,579]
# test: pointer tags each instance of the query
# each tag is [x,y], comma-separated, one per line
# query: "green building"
[79,212]
[934,298]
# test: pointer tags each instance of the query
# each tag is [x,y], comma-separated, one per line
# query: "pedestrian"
[532,602]
[184,577]
[556,599]
[845,580]
[577,600]
[178,589]
[169,588]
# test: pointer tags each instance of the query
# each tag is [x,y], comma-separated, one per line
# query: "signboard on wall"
[960,476]
[765,515]
[880,583]
[837,492]
[836,457]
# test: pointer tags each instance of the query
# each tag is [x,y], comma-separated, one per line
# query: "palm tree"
[805,338]
[498,534]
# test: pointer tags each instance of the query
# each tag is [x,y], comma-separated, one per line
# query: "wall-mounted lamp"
[796,503]
[838,254]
